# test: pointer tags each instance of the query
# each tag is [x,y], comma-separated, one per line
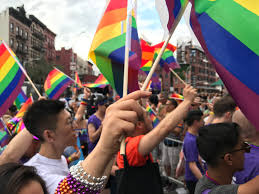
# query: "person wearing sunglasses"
[223,148]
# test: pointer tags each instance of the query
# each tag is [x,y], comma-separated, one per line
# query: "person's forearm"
[80,112]
[94,136]
[154,137]
[17,147]
[195,170]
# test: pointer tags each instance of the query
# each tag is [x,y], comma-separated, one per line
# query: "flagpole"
[65,74]
[23,70]
[178,77]
[3,123]
[152,70]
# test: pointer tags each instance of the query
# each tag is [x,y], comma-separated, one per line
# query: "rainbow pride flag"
[100,82]
[228,32]
[147,56]
[56,83]
[168,11]
[167,60]
[108,46]
[155,120]
[11,78]
[77,80]
[21,98]
[24,108]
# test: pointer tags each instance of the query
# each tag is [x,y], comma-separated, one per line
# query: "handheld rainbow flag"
[168,11]
[147,56]
[24,108]
[167,60]
[21,98]
[228,39]
[56,83]
[11,78]
[152,114]
[77,80]
[179,98]
[108,47]
[100,82]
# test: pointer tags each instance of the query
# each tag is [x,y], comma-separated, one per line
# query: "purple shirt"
[191,154]
[251,166]
[97,123]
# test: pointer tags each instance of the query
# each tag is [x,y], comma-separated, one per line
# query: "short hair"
[193,115]
[14,176]
[224,105]
[173,102]
[153,99]
[42,115]
[216,139]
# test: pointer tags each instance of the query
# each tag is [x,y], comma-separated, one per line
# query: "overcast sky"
[75,21]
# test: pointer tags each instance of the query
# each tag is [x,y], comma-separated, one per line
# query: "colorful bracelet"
[78,181]
[84,102]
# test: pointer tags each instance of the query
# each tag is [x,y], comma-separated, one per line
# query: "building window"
[17,30]
[17,45]
[11,27]
[21,32]
[26,48]
[11,42]
[26,35]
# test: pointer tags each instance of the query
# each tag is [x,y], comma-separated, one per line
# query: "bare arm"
[251,187]
[168,124]
[93,133]
[17,147]
[81,110]
[195,170]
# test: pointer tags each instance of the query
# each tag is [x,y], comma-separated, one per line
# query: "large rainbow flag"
[11,78]
[155,120]
[167,60]
[108,47]
[56,83]
[168,11]
[21,98]
[228,32]
[100,82]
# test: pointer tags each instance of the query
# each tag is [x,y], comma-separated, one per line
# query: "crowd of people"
[72,146]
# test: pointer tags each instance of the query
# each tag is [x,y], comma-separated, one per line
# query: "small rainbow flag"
[11,78]
[147,56]
[56,83]
[24,107]
[155,120]
[21,98]
[78,82]
[177,96]
[100,82]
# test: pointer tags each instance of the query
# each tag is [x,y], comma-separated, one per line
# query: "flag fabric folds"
[155,120]
[229,40]
[100,82]
[24,108]
[21,98]
[168,11]
[147,56]
[167,60]
[77,80]
[108,47]
[11,78]
[56,83]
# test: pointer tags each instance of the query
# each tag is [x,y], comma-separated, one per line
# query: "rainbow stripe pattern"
[228,32]
[100,82]
[77,80]
[108,46]
[167,60]
[24,108]
[11,78]
[56,83]
[155,120]
[21,98]
[147,56]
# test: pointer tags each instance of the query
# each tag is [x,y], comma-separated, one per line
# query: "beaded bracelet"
[79,181]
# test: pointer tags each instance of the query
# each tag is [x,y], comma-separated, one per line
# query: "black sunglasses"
[245,147]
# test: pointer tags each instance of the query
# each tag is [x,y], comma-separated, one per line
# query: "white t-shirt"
[52,171]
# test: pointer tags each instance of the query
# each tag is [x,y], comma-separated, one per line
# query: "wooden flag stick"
[152,70]
[23,70]
[178,77]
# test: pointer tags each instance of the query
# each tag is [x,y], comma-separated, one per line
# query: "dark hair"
[224,105]
[13,108]
[173,102]
[42,115]
[216,139]
[100,100]
[14,176]
[153,99]
[193,115]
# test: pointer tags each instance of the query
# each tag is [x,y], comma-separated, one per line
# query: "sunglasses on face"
[246,147]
